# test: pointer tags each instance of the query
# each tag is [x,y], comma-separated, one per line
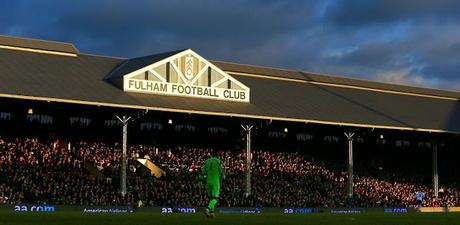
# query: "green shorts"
[213,189]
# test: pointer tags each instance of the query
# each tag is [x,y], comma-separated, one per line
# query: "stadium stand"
[49,91]
[38,172]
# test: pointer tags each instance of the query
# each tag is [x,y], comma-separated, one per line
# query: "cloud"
[203,25]
[405,76]
[414,42]
[364,13]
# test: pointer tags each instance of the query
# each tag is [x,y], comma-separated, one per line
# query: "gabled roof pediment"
[179,73]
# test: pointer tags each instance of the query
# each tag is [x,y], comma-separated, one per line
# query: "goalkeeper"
[213,170]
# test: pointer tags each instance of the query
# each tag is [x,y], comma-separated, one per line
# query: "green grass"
[140,218]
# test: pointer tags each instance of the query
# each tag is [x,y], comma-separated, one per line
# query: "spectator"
[49,173]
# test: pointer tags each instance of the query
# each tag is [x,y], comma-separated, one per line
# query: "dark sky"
[413,42]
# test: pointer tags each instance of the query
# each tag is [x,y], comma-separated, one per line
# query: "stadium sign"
[186,74]
[298,210]
[34,208]
[180,210]
[239,211]
[108,210]
[395,210]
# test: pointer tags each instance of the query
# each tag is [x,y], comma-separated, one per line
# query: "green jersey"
[214,169]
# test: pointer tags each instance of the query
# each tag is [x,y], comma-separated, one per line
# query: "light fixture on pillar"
[170,121]
[30,111]
[285,130]
[381,136]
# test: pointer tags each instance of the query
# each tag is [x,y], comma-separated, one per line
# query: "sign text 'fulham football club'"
[186,74]
[148,86]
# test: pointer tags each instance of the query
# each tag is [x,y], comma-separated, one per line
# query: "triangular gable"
[186,74]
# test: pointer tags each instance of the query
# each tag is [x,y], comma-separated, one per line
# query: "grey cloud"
[364,12]
[407,41]
[186,21]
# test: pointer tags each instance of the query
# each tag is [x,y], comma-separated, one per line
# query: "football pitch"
[140,218]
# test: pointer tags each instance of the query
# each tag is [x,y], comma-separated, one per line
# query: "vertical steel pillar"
[124,120]
[248,130]
[350,165]
[435,171]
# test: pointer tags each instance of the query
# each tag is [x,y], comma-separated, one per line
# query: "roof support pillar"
[350,137]
[124,120]
[435,171]
[248,130]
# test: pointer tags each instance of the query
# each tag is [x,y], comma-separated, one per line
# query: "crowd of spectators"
[34,172]
[84,173]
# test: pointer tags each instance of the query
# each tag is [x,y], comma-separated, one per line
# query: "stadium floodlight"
[30,111]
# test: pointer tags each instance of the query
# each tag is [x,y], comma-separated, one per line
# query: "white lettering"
[155,87]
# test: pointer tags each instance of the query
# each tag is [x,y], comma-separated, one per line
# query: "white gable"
[186,74]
